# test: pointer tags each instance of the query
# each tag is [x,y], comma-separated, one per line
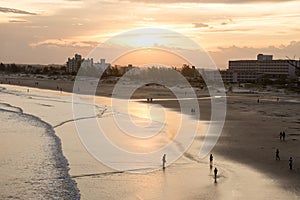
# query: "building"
[263,67]
[73,64]
[86,63]
[103,66]
[264,57]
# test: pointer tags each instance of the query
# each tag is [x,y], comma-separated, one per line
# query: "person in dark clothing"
[291,163]
[216,173]
[211,158]
[283,136]
[277,154]
[164,160]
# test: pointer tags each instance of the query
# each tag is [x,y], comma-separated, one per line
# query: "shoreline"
[69,188]
[257,119]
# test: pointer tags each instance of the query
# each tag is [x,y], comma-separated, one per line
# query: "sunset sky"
[47,31]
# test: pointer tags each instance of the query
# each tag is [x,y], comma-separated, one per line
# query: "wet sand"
[251,133]
[250,137]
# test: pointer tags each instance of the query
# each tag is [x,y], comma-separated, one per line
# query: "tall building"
[73,64]
[103,66]
[263,67]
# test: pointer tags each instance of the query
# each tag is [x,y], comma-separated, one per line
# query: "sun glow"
[147,56]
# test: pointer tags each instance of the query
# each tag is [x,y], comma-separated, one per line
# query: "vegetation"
[29,69]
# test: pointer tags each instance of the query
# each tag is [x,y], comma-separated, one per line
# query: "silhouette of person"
[277,154]
[216,173]
[164,160]
[211,158]
[283,136]
[291,163]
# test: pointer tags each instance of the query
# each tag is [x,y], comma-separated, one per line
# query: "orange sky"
[150,56]
[46,31]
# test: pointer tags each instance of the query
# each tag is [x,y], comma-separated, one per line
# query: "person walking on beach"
[211,158]
[277,154]
[291,163]
[283,136]
[216,173]
[164,160]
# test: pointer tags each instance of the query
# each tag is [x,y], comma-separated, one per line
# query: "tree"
[186,70]
[114,71]
[2,67]
[13,68]
[45,70]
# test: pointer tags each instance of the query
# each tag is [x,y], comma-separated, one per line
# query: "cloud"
[12,10]
[64,43]
[200,25]
[16,21]
[231,30]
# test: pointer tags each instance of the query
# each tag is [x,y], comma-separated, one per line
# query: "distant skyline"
[46,32]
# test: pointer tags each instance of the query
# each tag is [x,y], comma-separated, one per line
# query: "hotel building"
[263,67]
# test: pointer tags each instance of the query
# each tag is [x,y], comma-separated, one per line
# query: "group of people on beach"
[149,99]
[277,157]
[60,89]
[282,136]
[211,158]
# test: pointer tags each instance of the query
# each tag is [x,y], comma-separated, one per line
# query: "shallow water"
[32,166]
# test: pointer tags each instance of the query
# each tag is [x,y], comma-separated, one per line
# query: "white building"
[263,67]
[73,64]
[87,63]
[102,65]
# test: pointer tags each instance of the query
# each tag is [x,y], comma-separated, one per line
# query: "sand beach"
[244,154]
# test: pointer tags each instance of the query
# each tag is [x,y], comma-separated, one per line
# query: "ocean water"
[31,162]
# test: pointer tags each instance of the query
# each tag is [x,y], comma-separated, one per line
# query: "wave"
[60,184]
